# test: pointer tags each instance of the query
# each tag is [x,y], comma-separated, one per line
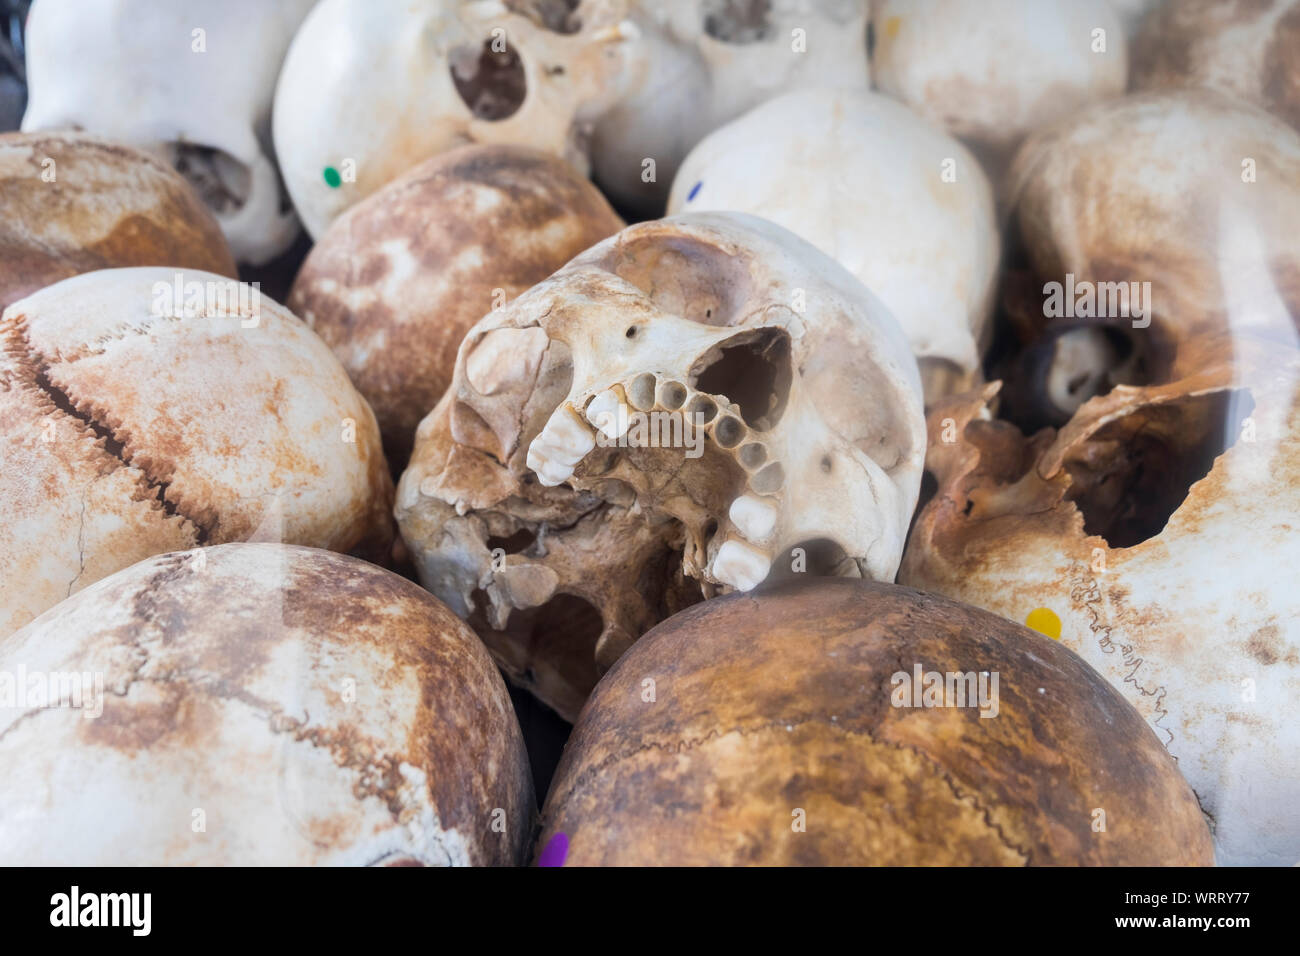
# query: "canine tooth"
[740,565]
[608,413]
[566,437]
[754,517]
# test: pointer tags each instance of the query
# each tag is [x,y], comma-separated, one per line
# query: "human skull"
[993,71]
[1190,195]
[397,280]
[72,203]
[190,80]
[544,484]
[305,707]
[699,65]
[791,699]
[136,426]
[927,245]
[372,87]
[1156,527]
[1249,50]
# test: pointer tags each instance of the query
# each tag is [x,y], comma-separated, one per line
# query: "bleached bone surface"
[190,80]
[718,332]
[211,709]
[135,430]
[993,71]
[900,204]
[372,87]
[701,63]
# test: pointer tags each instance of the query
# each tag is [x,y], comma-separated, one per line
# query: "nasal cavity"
[738,21]
[490,79]
[753,370]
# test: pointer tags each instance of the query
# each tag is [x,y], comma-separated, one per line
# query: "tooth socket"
[702,409]
[770,480]
[729,431]
[752,455]
[672,395]
[641,392]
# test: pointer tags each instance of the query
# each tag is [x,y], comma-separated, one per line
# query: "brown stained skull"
[1246,48]
[684,408]
[1155,519]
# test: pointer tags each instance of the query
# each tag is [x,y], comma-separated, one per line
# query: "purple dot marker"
[557,848]
[694,191]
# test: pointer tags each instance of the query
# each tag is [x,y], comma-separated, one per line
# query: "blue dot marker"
[694,191]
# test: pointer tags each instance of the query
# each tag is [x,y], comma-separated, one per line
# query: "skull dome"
[993,71]
[259,704]
[697,65]
[684,408]
[191,80]
[927,243]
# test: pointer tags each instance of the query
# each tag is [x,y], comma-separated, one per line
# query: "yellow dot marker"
[892,26]
[1044,621]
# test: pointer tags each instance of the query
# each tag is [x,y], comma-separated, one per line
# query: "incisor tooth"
[566,437]
[753,516]
[608,413]
[740,565]
[549,472]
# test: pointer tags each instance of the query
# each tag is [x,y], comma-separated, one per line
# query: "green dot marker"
[332,177]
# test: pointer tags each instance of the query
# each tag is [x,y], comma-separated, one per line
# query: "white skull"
[1158,524]
[699,65]
[190,80]
[786,392]
[992,71]
[900,204]
[372,87]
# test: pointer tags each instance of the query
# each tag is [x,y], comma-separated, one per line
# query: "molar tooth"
[740,565]
[608,413]
[754,517]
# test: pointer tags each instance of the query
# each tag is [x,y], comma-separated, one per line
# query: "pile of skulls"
[875,426]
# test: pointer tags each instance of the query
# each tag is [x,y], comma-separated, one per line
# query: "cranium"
[1186,604]
[927,245]
[698,65]
[312,708]
[189,79]
[403,81]
[1192,193]
[1250,50]
[993,71]
[542,502]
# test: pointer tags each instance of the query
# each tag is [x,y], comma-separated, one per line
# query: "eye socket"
[738,21]
[491,82]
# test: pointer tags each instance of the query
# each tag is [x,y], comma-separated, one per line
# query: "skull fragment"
[190,80]
[684,408]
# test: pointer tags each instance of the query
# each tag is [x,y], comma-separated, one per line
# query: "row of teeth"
[569,437]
